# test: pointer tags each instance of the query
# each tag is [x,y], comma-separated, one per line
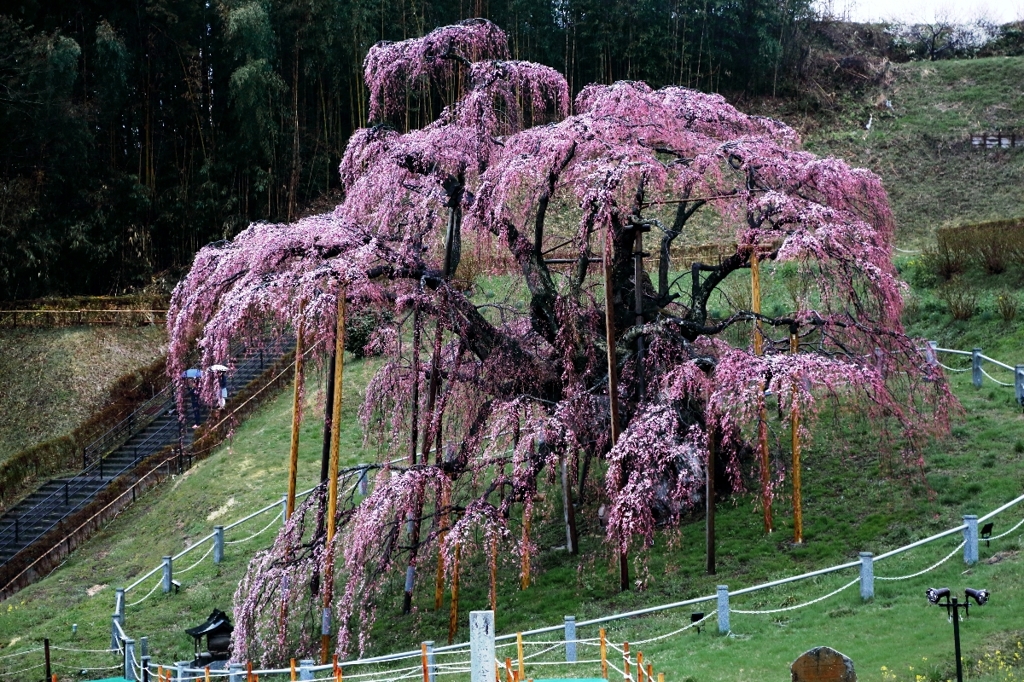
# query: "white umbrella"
[217,368]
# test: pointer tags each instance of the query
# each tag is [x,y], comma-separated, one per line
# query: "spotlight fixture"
[979,596]
[696,617]
[943,596]
[935,594]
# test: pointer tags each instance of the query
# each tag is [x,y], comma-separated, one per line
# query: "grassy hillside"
[921,146]
[53,379]
[850,506]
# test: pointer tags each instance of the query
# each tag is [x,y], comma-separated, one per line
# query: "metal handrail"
[135,422]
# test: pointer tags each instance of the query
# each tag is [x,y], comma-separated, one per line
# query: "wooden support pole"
[439,581]
[294,672]
[709,520]
[640,666]
[519,653]
[494,573]
[525,578]
[510,675]
[798,512]
[604,654]
[293,461]
[613,381]
[423,659]
[453,614]
[569,511]
[206,673]
[625,660]
[332,486]
[762,426]
[650,673]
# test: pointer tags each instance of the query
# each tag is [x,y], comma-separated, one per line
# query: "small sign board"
[823,664]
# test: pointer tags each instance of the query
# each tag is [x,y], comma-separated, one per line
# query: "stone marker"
[823,664]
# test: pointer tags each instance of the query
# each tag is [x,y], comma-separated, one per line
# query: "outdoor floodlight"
[696,617]
[942,596]
[986,533]
[979,596]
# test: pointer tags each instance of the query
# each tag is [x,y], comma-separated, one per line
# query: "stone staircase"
[148,430]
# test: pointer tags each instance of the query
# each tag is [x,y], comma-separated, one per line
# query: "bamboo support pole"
[661,677]
[625,660]
[423,659]
[519,653]
[510,675]
[640,666]
[604,654]
[294,672]
[206,673]
[798,512]
[332,486]
[650,673]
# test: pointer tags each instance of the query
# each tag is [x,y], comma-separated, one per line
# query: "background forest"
[133,133]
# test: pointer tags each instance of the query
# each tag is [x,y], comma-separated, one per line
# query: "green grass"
[54,379]
[921,147]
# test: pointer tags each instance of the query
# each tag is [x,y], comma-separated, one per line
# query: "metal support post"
[218,544]
[971,539]
[481,646]
[145,668]
[723,608]
[976,367]
[167,574]
[570,639]
[867,576]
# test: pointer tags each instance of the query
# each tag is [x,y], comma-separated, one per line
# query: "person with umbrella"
[193,375]
[222,379]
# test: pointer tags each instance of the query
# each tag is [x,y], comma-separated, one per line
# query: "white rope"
[596,660]
[23,653]
[80,651]
[150,594]
[18,672]
[896,248]
[612,646]
[276,519]
[1003,535]
[186,570]
[676,632]
[1001,383]
[800,606]
[543,651]
[952,369]
[87,670]
[933,566]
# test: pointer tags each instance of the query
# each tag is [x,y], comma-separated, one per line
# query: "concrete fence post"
[119,602]
[971,539]
[115,635]
[284,509]
[129,660]
[867,576]
[218,544]
[1018,384]
[236,672]
[976,367]
[931,354]
[481,646]
[570,639]
[179,672]
[431,660]
[167,574]
[144,646]
[723,608]
[306,669]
